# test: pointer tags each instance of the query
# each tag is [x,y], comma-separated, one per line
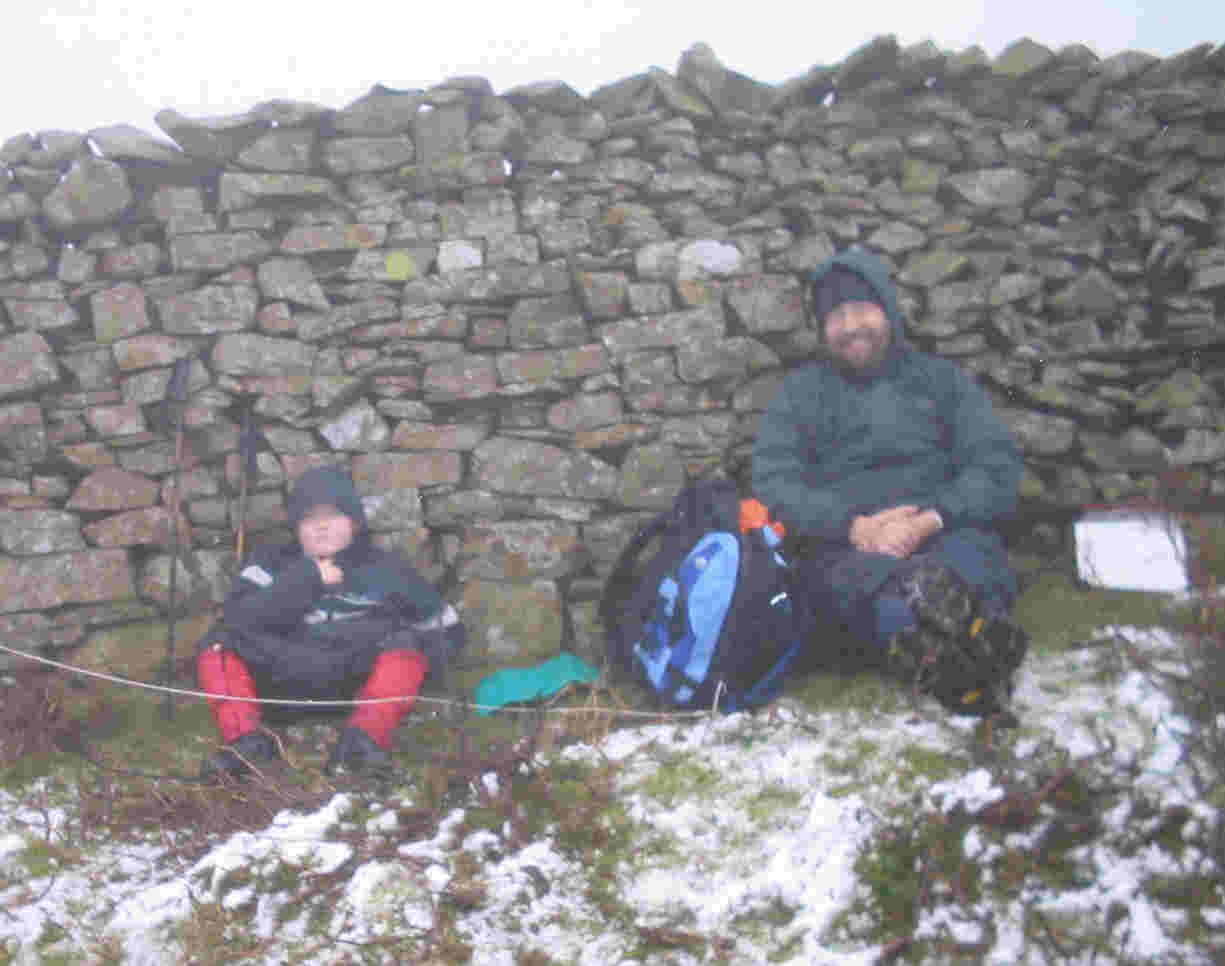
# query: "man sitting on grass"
[892,467]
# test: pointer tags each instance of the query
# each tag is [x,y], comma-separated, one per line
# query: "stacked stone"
[525,319]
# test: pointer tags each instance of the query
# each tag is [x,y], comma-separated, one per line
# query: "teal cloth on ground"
[515,684]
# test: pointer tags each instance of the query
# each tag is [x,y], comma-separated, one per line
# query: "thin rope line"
[343,702]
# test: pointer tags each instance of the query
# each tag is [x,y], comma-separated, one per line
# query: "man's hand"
[896,531]
[329,572]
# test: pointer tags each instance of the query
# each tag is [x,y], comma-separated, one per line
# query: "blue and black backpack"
[712,614]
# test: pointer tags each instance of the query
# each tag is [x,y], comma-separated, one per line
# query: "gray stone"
[109,421]
[994,187]
[454,436]
[929,269]
[1209,276]
[1182,389]
[1014,287]
[240,190]
[671,330]
[707,257]
[520,550]
[726,90]
[23,433]
[209,310]
[149,526]
[26,261]
[586,411]
[250,354]
[552,96]
[118,312]
[376,473]
[896,237]
[439,134]
[512,620]
[506,282]
[1125,65]
[29,364]
[286,150]
[293,280]
[216,139]
[76,266]
[150,385]
[57,579]
[1041,434]
[1092,293]
[314,327]
[506,465]
[359,155]
[679,96]
[360,427]
[1199,447]
[604,294]
[41,314]
[119,142]
[93,192]
[132,261]
[464,377]
[205,581]
[392,264]
[1022,58]
[766,303]
[1135,449]
[390,510]
[381,111]
[651,477]
[458,255]
[140,352]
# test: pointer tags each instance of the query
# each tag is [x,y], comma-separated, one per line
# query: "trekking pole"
[176,393]
[248,468]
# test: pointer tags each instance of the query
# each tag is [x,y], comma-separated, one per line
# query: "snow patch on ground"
[757,855]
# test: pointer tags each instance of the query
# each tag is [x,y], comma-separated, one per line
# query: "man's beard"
[878,346]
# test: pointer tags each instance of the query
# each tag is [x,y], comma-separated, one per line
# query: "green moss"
[1059,614]
[867,692]
[852,758]
[42,858]
[681,778]
[894,866]
[920,765]
[767,802]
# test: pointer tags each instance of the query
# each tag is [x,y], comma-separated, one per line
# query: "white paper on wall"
[1128,550]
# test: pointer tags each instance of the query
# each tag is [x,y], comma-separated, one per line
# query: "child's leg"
[221,671]
[396,674]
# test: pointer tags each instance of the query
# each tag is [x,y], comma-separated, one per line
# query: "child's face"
[325,531]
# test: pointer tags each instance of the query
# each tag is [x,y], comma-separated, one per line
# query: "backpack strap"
[619,584]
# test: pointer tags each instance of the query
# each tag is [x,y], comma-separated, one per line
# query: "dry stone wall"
[523,319]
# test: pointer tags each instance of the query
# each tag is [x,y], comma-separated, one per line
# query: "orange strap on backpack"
[753,514]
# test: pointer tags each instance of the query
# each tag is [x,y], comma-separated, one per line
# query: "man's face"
[857,334]
[325,531]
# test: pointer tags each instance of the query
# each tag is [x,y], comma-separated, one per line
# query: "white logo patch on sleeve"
[257,575]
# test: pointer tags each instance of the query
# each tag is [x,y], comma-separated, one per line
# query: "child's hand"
[329,572]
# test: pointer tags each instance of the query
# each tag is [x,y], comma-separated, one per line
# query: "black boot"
[357,754]
[240,757]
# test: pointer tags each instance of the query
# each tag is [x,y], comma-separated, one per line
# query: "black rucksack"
[712,614]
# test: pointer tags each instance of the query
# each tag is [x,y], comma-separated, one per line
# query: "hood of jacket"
[332,485]
[876,274]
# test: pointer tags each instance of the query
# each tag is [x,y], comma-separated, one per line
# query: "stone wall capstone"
[524,319]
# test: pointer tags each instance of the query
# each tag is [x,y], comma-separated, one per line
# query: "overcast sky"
[80,64]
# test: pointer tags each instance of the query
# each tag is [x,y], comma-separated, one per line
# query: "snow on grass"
[735,839]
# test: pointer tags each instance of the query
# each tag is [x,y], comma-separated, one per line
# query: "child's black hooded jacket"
[300,635]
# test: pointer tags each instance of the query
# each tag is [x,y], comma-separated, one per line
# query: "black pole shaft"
[172,585]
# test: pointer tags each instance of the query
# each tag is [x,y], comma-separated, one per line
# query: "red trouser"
[396,674]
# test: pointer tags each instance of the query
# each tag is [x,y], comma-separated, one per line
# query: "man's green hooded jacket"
[916,429]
